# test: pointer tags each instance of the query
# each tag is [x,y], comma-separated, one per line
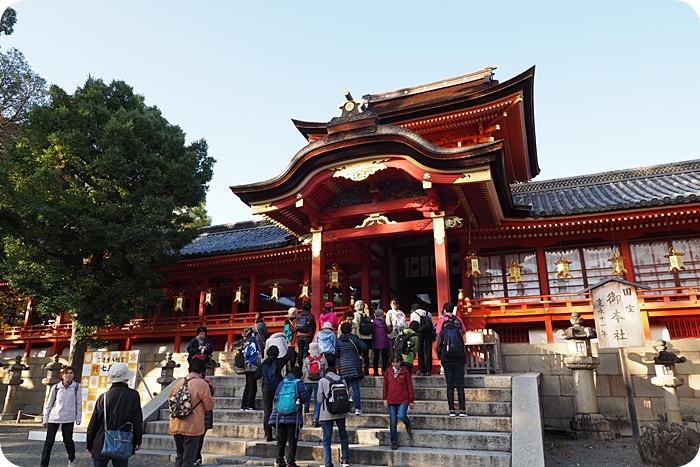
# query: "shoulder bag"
[118,444]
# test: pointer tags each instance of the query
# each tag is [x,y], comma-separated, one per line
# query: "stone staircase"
[484,438]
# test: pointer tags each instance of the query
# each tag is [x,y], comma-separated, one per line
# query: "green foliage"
[20,90]
[97,189]
[7,23]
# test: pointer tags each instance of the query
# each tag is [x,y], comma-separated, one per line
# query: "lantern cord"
[668,227]
[612,231]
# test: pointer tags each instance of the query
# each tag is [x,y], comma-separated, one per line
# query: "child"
[288,425]
[397,395]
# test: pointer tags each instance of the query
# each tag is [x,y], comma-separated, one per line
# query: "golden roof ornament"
[209,298]
[515,269]
[179,303]
[239,296]
[275,292]
[304,290]
[334,276]
[618,264]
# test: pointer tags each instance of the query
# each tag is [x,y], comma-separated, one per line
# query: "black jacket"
[193,348]
[123,405]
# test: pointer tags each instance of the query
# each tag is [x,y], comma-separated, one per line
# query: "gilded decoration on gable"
[375,219]
[453,222]
[389,191]
[360,170]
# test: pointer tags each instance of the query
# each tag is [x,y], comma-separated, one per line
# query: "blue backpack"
[452,340]
[287,330]
[286,401]
[252,351]
[326,342]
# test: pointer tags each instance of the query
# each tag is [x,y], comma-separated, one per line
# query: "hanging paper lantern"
[334,276]
[275,292]
[473,264]
[304,290]
[618,264]
[563,271]
[239,296]
[675,260]
[515,271]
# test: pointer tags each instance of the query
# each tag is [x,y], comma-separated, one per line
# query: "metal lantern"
[563,271]
[239,296]
[209,298]
[304,290]
[618,264]
[516,271]
[334,276]
[675,260]
[473,264]
[275,292]
[179,303]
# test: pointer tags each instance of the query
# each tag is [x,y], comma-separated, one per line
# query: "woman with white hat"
[123,406]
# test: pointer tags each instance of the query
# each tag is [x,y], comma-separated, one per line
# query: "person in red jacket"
[397,395]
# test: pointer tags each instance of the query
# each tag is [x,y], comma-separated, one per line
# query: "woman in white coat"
[63,409]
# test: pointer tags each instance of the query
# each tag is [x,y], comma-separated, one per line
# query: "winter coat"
[399,389]
[380,338]
[193,348]
[323,367]
[347,354]
[123,405]
[65,404]
[391,322]
[326,341]
[193,424]
[209,414]
[330,317]
[261,333]
[322,394]
[278,340]
[356,325]
[279,363]
[296,418]
[410,356]
[312,325]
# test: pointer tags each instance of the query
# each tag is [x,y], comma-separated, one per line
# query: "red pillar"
[442,260]
[385,283]
[542,271]
[176,344]
[366,261]
[28,313]
[317,285]
[254,296]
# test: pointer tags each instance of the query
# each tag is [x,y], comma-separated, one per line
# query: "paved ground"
[559,451]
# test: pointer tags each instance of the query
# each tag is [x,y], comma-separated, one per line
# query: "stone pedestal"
[15,380]
[166,373]
[665,366]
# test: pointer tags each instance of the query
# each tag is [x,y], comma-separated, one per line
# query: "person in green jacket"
[399,347]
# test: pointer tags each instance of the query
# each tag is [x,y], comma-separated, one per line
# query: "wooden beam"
[422,225]
[384,207]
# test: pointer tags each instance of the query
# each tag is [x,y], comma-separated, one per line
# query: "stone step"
[167,457]
[447,438]
[359,454]
[498,409]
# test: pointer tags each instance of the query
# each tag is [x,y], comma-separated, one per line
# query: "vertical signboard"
[618,321]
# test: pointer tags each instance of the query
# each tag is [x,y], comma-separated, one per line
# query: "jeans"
[400,410]
[312,389]
[115,462]
[200,445]
[287,432]
[186,449]
[355,384]
[454,377]
[250,391]
[327,427]
[66,432]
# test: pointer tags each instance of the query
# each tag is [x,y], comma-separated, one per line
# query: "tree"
[7,22]
[97,188]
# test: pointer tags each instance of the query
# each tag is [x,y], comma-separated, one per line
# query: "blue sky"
[616,83]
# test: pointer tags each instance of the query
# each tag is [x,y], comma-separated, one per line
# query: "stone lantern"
[167,368]
[665,365]
[587,423]
[53,375]
[15,374]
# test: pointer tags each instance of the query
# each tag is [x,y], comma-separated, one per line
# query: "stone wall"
[557,389]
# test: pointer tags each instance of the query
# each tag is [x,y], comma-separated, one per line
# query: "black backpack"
[403,344]
[303,322]
[270,378]
[425,325]
[452,340]
[338,400]
[366,325]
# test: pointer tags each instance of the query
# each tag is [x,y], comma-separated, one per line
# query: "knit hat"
[313,349]
[329,305]
[327,325]
[119,373]
[379,313]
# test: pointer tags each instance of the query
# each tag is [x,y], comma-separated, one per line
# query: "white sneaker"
[71,464]
[358,412]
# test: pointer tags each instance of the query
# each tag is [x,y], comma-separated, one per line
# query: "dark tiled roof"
[237,238]
[624,189]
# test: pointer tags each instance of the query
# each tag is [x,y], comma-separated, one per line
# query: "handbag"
[118,444]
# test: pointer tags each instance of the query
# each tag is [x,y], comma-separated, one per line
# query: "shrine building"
[428,194]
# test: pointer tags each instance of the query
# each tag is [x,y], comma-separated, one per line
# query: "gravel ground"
[559,451]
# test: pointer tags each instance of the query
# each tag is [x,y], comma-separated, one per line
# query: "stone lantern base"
[590,426]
